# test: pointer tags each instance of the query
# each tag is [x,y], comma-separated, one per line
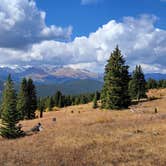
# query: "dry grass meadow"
[87,137]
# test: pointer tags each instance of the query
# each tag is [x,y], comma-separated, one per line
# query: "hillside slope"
[70,87]
[94,137]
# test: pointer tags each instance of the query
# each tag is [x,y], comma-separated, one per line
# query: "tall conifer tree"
[32,99]
[22,100]
[57,98]
[95,101]
[10,115]
[151,83]
[137,85]
[115,93]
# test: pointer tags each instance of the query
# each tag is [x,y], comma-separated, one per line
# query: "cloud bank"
[23,25]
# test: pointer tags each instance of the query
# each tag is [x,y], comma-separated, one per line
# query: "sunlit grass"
[94,137]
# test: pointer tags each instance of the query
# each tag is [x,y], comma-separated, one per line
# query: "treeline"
[60,100]
[153,84]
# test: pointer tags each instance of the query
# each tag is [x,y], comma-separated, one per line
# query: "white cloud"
[22,23]
[87,2]
[140,41]
[156,68]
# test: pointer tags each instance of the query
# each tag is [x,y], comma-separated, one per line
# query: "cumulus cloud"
[87,2]
[138,38]
[22,24]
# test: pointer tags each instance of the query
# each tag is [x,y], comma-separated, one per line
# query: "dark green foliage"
[161,84]
[56,98]
[65,100]
[95,101]
[27,100]
[137,85]
[60,101]
[83,99]
[10,115]
[41,106]
[97,95]
[115,93]
[22,100]
[32,99]
[152,84]
[77,101]
[49,103]
[68,100]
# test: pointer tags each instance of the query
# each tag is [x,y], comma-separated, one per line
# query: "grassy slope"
[93,137]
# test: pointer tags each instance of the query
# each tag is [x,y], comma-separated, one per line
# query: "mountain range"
[49,79]
[48,74]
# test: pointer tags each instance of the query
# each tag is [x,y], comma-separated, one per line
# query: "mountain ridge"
[47,74]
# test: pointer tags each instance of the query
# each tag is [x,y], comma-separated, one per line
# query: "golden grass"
[91,137]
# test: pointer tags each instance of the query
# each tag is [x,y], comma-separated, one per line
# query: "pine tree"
[57,98]
[95,101]
[114,94]
[83,99]
[10,115]
[137,85]
[22,100]
[151,84]
[77,100]
[164,84]
[32,99]
[60,101]
[41,106]
[49,103]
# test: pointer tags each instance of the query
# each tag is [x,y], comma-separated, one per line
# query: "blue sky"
[88,17]
[81,34]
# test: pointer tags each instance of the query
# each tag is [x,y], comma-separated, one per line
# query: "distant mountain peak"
[46,73]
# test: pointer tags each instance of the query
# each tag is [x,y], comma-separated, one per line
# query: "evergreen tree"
[77,100]
[115,93]
[41,107]
[22,100]
[49,103]
[151,84]
[32,99]
[160,84]
[83,99]
[57,98]
[97,95]
[95,101]
[60,101]
[164,84]
[10,115]
[137,85]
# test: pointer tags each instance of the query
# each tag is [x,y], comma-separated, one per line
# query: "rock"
[54,119]
[155,133]
[138,131]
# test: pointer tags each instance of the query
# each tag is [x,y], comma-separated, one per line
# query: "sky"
[82,33]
